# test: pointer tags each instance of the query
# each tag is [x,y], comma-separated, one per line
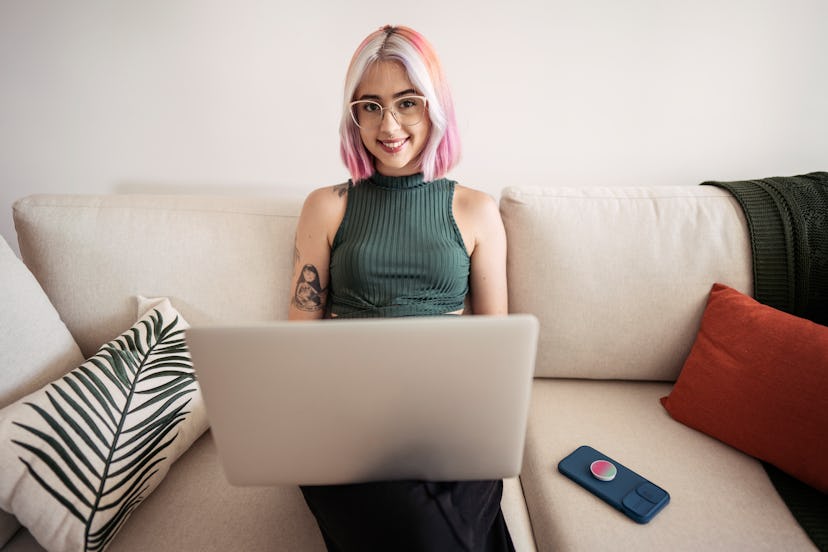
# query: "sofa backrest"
[619,276]
[217,258]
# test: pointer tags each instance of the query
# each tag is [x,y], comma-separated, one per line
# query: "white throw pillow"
[79,455]
[35,346]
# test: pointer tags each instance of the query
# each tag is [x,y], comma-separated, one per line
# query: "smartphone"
[614,483]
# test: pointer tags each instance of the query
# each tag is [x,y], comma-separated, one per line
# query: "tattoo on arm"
[341,189]
[309,295]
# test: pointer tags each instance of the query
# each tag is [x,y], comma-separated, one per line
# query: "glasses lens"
[409,110]
[366,114]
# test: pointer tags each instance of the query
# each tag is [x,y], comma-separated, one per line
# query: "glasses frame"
[384,110]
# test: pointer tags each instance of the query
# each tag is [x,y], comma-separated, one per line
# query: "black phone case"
[628,492]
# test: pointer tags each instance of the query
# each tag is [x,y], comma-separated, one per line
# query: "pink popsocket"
[603,470]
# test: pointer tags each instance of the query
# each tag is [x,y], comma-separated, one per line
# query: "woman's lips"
[393,146]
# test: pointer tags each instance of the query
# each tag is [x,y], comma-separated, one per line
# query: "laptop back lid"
[349,401]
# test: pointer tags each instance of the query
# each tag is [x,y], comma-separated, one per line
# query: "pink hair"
[408,47]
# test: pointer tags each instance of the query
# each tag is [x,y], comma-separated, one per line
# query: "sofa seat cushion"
[195,508]
[514,509]
[721,499]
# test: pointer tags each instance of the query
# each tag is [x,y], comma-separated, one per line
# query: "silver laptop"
[350,401]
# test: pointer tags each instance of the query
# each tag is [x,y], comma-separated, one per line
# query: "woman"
[401,240]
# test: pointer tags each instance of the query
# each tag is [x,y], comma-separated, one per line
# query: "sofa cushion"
[196,498]
[516,515]
[757,379]
[618,277]
[35,346]
[721,499]
[79,455]
[195,508]
[220,258]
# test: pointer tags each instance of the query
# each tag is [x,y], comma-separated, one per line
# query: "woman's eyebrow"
[374,97]
[405,93]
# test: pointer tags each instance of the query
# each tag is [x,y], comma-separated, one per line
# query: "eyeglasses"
[407,111]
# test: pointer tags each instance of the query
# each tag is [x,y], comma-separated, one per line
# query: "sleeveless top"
[398,251]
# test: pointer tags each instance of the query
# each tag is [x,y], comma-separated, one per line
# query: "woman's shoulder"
[475,202]
[326,204]
[329,194]
[327,197]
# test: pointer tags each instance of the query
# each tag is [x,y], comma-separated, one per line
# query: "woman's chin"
[394,167]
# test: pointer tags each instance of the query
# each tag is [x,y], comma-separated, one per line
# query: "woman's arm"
[478,218]
[321,215]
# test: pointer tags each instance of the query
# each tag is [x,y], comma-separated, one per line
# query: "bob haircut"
[408,47]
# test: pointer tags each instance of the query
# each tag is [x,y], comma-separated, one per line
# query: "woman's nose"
[389,121]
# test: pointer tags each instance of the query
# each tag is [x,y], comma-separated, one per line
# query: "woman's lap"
[410,515]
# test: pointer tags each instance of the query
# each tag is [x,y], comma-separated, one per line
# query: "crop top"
[398,250]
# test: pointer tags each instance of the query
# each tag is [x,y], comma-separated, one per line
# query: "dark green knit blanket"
[787,221]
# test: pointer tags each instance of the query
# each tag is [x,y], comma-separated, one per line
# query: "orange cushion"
[757,379]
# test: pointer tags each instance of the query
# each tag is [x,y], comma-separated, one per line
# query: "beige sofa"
[618,278]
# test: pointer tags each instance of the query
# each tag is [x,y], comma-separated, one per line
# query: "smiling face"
[396,148]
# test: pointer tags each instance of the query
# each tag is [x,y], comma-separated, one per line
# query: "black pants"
[411,515]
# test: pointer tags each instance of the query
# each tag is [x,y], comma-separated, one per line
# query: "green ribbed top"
[398,251]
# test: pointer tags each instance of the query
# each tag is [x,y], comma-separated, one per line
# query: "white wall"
[102,96]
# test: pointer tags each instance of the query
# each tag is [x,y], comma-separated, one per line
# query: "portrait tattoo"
[309,295]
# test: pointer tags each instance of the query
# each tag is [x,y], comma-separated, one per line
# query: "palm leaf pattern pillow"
[82,453]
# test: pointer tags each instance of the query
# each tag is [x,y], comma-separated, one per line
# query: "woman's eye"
[371,107]
[407,103]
